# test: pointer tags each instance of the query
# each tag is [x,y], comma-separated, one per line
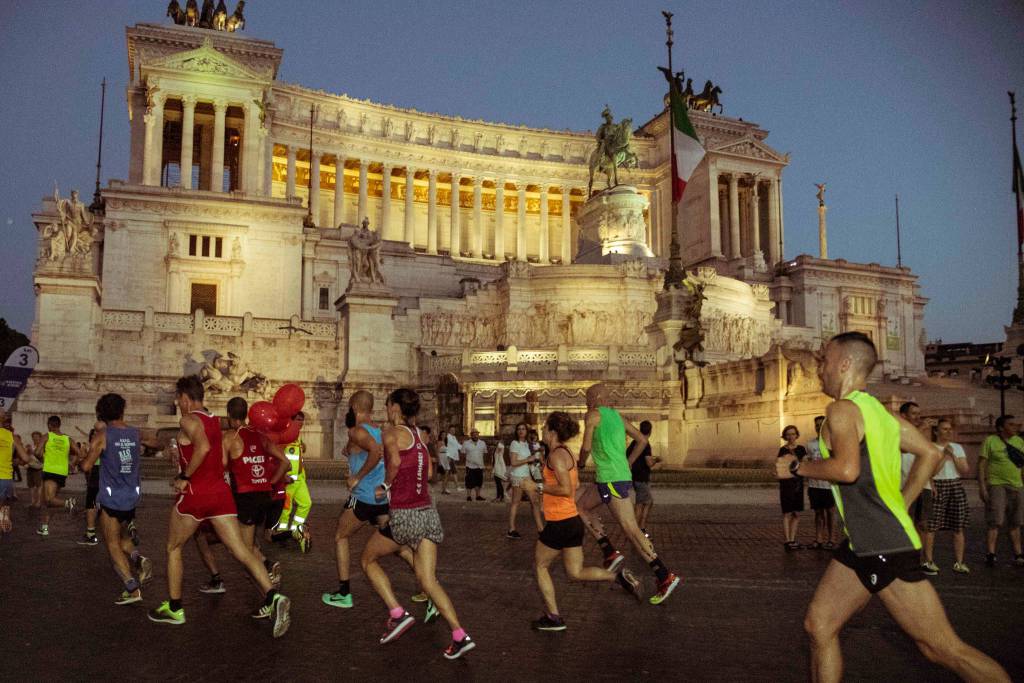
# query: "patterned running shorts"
[409,527]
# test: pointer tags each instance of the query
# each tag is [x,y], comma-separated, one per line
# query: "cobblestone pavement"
[737,617]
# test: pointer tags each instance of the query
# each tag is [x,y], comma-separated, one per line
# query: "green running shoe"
[420,597]
[337,600]
[127,598]
[165,615]
[431,614]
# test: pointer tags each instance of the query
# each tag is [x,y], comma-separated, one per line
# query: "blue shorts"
[6,489]
[614,489]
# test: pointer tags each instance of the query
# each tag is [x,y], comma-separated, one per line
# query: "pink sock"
[459,635]
[397,612]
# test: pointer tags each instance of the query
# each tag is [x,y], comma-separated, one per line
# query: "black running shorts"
[876,572]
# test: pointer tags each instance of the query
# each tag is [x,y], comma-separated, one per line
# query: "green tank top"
[55,455]
[609,448]
[6,454]
[872,508]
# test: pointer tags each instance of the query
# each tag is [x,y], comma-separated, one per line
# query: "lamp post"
[1001,381]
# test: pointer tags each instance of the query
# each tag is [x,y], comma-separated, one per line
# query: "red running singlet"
[250,471]
[210,475]
[410,489]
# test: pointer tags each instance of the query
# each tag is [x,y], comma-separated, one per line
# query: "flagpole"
[674,276]
[97,199]
[899,252]
[1018,311]
[309,221]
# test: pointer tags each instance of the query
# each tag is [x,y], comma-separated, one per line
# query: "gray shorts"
[6,489]
[409,527]
[1004,507]
[643,492]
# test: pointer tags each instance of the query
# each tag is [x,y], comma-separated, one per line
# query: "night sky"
[873,98]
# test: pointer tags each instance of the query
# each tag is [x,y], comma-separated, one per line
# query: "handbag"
[1015,455]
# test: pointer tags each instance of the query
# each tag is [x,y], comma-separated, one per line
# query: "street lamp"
[1001,381]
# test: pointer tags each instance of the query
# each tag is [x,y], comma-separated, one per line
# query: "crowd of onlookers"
[942,505]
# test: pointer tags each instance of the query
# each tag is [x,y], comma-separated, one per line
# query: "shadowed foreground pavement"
[736,617]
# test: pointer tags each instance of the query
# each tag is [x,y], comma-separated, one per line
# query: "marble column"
[314,192]
[455,238]
[566,226]
[734,216]
[188,114]
[248,167]
[220,108]
[290,180]
[432,212]
[545,241]
[521,223]
[410,216]
[361,213]
[714,211]
[153,158]
[773,223]
[499,220]
[755,219]
[339,188]
[385,204]
[477,238]
[268,163]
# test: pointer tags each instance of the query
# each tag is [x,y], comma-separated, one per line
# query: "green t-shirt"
[1001,469]
[55,454]
[609,447]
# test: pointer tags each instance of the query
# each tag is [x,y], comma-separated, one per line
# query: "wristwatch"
[182,476]
[793,467]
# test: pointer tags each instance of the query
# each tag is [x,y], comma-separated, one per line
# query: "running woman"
[204,495]
[564,530]
[861,444]
[10,444]
[519,480]
[605,433]
[114,450]
[57,449]
[365,505]
[249,454]
[414,523]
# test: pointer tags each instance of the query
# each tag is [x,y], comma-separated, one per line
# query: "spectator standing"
[949,501]
[441,446]
[521,457]
[500,472]
[819,493]
[791,491]
[475,450]
[640,464]
[34,470]
[451,453]
[922,508]
[999,483]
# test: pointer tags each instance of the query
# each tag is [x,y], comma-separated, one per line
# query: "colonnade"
[745,218]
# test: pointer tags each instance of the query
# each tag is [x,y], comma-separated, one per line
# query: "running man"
[10,444]
[365,506]
[297,497]
[249,454]
[605,433]
[563,532]
[204,495]
[57,449]
[861,444]
[92,490]
[414,523]
[114,451]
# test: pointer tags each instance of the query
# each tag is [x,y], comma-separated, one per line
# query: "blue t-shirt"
[366,490]
[119,474]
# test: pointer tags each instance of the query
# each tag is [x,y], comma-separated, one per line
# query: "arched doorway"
[451,403]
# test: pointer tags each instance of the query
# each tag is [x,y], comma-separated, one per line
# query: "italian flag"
[687,150]
[1018,190]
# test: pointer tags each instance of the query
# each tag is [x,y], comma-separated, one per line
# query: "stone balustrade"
[555,362]
[222,325]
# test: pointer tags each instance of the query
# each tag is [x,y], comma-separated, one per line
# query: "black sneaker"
[133,532]
[393,628]
[990,560]
[513,534]
[546,623]
[459,648]
[89,540]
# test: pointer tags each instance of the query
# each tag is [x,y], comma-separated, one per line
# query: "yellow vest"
[294,453]
[6,453]
[55,455]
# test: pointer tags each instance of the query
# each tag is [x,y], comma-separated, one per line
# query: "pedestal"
[67,319]
[612,226]
[370,354]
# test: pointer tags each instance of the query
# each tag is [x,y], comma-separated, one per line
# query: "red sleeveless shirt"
[411,489]
[250,471]
[210,475]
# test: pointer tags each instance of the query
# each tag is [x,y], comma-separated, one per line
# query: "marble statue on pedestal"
[364,256]
[227,373]
[612,150]
[74,232]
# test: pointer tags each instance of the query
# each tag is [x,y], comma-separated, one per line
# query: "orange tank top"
[557,508]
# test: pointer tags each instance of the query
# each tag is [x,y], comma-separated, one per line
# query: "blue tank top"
[119,474]
[365,490]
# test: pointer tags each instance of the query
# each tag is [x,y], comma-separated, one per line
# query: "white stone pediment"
[749,147]
[205,59]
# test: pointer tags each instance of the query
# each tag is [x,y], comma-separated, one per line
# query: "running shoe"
[304,538]
[282,614]
[990,559]
[459,648]
[128,598]
[212,586]
[514,535]
[165,615]
[393,628]
[274,572]
[337,600]
[43,530]
[5,519]
[548,623]
[420,597]
[665,589]
[632,584]
[145,569]
[961,568]
[69,505]
[133,532]
[930,568]
[612,562]
[431,614]
[88,540]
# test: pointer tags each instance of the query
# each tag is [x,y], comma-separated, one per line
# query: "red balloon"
[288,434]
[289,400]
[282,422]
[263,416]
